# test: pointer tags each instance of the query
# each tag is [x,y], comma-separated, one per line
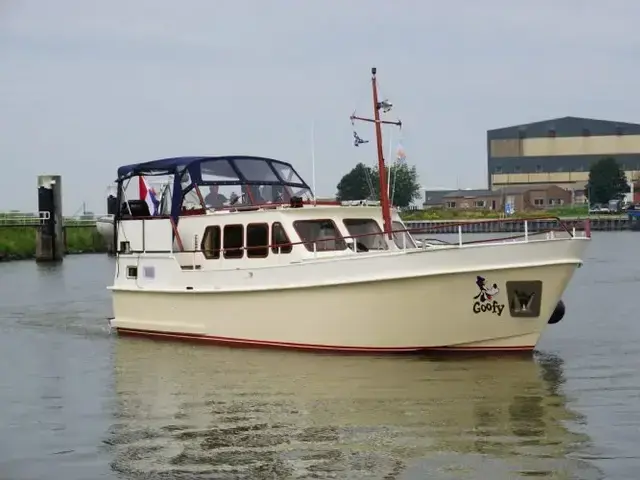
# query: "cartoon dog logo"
[487,292]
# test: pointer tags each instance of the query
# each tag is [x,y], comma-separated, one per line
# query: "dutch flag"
[148,194]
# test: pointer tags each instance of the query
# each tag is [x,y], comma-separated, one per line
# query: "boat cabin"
[237,209]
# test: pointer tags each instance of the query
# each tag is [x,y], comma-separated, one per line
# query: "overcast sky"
[88,85]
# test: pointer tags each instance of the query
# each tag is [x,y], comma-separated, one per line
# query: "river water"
[76,402]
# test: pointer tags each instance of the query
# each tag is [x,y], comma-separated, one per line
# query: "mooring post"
[50,241]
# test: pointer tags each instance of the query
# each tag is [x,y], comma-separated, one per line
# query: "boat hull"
[412,314]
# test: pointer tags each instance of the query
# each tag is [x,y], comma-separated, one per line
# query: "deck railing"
[548,233]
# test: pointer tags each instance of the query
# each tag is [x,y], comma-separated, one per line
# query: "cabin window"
[323,235]
[280,242]
[255,170]
[132,272]
[367,233]
[257,240]
[401,238]
[211,242]
[233,239]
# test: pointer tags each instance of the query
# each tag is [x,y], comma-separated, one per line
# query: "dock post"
[50,236]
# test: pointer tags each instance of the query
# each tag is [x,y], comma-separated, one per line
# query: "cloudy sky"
[88,85]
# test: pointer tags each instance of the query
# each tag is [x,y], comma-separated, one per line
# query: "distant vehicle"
[598,209]
[612,206]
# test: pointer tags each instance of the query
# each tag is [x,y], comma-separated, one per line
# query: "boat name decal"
[485,299]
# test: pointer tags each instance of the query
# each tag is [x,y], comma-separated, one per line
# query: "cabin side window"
[402,239]
[257,240]
[233,241]
[280,242]
[321,234]
[367,233]
[211,242]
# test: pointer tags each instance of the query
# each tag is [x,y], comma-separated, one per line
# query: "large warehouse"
[560,151]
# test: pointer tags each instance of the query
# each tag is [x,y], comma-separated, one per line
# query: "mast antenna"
[385,106]
[313,161]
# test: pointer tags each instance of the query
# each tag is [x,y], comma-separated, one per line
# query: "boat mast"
[384,193]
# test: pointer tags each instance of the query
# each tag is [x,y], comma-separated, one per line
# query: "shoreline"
[19,243]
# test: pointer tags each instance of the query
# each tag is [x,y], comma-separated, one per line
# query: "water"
[79,403]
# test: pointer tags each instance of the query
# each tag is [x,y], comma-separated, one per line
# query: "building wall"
[557,146]
[543,196]
[560,151]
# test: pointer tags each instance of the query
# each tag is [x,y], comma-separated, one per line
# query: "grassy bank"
[20,242]
[481,214]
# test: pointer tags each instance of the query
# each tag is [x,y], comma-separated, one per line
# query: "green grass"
[481,214]
[20,242]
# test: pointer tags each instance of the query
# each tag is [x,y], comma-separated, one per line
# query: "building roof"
[565,127]
[510,190]
[434,197]
[470,193]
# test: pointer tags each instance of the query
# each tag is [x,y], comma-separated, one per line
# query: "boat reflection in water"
[186,411]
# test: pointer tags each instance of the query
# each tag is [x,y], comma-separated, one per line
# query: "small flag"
[148,194]
[401,157]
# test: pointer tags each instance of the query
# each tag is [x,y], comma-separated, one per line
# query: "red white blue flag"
[148,194]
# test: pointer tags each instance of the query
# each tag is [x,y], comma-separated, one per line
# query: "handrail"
[427,229]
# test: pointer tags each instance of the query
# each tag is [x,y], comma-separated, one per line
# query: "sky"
[87,86]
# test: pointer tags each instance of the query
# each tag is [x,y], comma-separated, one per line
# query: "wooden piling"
[50,242]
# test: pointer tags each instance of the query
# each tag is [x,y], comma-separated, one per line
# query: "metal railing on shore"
[34,219]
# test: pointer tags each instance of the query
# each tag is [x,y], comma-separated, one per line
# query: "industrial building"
[560,152]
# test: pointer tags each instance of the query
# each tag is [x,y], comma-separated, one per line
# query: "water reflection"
[188,410]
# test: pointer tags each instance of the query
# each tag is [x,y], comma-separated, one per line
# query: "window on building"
[498,169]
[479,203]
[538,202]
[320,235]
[522,133]
[586,132]
[450,204]
[538,168]
[556,201]
[280,242]
[233,241]
[517,169]
[367,233]
[211,242]
[257,240]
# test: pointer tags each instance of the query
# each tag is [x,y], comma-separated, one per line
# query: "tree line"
[607,181]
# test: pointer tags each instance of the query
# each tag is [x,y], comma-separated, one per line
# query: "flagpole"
[390,165]
[313,161]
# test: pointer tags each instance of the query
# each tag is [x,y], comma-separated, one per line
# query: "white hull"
[395,302]
[104,226]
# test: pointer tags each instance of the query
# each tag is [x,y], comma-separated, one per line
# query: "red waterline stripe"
[238,342]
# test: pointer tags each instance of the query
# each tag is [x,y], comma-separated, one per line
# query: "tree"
[607,181]
[403,184]
[355,184]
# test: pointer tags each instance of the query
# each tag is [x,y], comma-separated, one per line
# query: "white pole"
[313,160]
[390,164]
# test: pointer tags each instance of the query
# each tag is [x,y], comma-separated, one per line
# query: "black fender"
[558,313]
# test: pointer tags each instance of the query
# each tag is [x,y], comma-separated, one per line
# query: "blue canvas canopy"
[213,170]
[237,169]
